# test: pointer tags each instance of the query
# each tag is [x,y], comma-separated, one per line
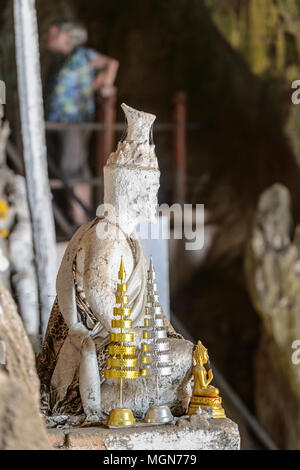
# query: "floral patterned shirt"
[72,95]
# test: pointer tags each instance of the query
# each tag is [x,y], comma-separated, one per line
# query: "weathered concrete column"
[33,135]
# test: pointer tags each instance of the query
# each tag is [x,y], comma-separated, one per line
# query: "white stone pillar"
[35,159]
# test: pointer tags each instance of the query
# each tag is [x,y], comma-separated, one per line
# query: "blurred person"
[76,73]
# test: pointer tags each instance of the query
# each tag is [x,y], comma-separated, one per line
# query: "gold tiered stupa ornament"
[204,394]
[155,358]
[122,361]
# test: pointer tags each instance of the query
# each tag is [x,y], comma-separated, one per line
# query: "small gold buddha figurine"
[204,394]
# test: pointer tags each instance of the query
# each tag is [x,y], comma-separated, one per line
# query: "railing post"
[179,116]
[106,113]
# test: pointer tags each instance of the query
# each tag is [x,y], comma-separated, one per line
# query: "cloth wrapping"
[87,337]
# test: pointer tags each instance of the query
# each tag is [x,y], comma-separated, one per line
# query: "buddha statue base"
[121,417]
[214,403]
[158,414]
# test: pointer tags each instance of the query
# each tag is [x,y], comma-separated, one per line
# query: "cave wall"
[235,59]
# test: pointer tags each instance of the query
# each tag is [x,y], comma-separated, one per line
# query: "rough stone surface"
[57,438]
[273,275]
[186,433]
[21,425]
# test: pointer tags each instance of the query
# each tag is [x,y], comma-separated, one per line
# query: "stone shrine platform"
[186,433]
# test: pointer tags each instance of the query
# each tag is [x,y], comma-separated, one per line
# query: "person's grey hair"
[77,32]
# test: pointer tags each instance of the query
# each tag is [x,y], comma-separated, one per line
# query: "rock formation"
[21,425]
[272,266]
[17,269]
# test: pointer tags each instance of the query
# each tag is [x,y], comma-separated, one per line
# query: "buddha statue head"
[131,174]
[201,354]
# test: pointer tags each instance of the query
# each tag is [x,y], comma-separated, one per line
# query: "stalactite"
[266,32]
[258,29]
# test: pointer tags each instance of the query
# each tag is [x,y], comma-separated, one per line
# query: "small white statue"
[17,269]
[72,360]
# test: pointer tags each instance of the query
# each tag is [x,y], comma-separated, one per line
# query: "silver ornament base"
[158,414]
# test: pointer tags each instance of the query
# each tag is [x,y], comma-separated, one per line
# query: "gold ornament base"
[121,417]
[158,414]
[215,403]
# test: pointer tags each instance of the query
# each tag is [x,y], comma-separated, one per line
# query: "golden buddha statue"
[204,394]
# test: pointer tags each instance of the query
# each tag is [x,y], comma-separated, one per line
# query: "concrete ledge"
[186,433]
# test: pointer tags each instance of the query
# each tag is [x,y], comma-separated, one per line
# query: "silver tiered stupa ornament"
[155,359]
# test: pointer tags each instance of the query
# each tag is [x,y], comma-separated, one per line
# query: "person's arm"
[105,79]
